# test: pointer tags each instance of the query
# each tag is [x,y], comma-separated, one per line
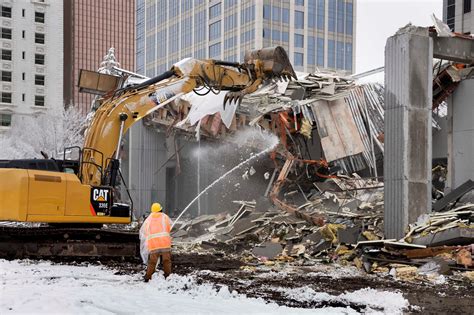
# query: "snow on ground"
[43,287]
[375,301]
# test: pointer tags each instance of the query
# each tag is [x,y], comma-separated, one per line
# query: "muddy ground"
[456,296]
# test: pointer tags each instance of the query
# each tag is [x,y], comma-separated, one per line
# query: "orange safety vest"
[157,231]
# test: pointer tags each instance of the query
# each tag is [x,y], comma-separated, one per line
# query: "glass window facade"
[200,53]
[5,119]
[247,15]
[311,53]
[340,55]
[39,17]
[298,59]
[267,12]
[215,11]
[285,16]
[39,100]
[161,12]
[6,97]
[186,5]
[6,12]
[140,42]
[332,16]
[320,52]
[450,14]
[199,31]
[39,38]
[6,76]
[215,30]
[247,36]
[276,35]
[348,57]
[220,35]
[174,8]
[299,40]
[230,22]
[186,32]
[39,79]
[6,54]
[267,33]
[161,48]
[215,50]
[349,19]
[312,13]
[229,3]
[150,48]
[230,43]
[331,54]
[6,33]
[299,19]
[340,16]
[321,8]
[173,33]
[276,14]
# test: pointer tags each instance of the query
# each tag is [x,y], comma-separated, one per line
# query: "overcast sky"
[379,19]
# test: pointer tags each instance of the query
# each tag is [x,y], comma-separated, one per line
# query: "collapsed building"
[320,193]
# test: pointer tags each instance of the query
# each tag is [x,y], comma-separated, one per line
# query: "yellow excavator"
[82,191]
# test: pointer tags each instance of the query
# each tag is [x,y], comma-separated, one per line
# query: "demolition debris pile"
[346,227]
[311,211]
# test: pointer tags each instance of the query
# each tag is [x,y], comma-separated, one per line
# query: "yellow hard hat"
[156,207]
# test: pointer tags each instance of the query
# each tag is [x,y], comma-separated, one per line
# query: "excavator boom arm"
[125,107]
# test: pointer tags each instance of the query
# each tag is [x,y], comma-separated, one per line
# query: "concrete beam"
[454,48]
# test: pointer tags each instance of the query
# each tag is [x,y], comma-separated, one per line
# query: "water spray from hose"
[253,157]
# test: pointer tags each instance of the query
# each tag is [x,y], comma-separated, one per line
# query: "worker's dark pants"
[152,261]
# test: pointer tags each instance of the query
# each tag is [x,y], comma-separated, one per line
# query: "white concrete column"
[407,158]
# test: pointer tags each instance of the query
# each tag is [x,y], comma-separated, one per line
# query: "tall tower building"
[459,16]
[91,27]
[315,33]
[31,58]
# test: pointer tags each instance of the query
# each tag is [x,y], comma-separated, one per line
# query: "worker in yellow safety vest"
[155,233]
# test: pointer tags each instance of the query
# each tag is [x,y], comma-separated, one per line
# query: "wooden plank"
[337,130]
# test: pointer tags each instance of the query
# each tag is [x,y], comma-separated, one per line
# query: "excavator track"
[81,243]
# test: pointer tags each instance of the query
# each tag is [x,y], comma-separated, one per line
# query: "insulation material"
[337,130]
[202,106]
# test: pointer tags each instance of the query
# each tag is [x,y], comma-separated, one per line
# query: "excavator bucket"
[266,64]
[276,63]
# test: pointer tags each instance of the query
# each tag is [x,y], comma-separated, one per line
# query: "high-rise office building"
[91,27]
[315,33]
[31,58]
[459,16]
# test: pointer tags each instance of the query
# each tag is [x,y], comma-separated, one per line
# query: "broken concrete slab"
[453,236]
[313,238]
[349,235]
[268,249]
[451,197]
[263,204]
[319,247]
